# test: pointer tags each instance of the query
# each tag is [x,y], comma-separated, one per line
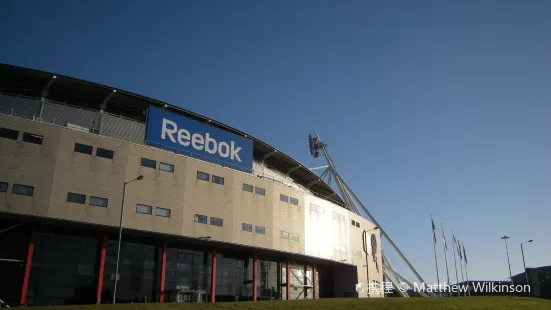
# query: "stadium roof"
[20,81]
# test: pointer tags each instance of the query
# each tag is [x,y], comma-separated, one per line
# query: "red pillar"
[163,274]
[314,282]
[254,277]
[101,269]
[288,281]
[213,277]
[28,265]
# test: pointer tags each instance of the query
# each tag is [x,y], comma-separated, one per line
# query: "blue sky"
[428,107]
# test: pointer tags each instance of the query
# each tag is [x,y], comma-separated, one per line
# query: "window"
[358,224]
[149,163]
[218,180]
[247,227]
[294,201]
[284,235]
[8,133]
[105,153]
[32,138]
[83,148]
[259,191]
[293,237]
[216,221]
[198,218]
[203,176]
[353,223]
[166,167]
[143,209]
[283,198]
[22,190]
[247,188]
[259,230]
[98,201]
[162,212]
[3,187]
[76,198]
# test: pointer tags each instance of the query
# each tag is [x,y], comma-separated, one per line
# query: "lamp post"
[138,178]
[364,239]
[524,263]
[505,237]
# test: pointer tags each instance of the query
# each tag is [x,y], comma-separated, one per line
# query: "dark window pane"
[283,198]
[358,224]
[149,163]
[294,201]
[259,191]
[162,212]
[98,201]
[105,153]
[198,218]
[83,148]
[218,180]
[76,198]
[32,138]
[247,227]
[259,229]
[3,187]
[247,187]
[8,133]
[22,190]
[353,223]
[203,176]
[144,209]
[216,221]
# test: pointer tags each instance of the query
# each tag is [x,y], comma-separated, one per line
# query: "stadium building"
[208,212]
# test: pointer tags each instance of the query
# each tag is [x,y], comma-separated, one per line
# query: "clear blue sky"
[428,107]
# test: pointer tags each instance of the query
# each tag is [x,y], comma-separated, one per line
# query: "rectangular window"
[98,201]
[353,223]
[22,190]
[218,180]
[259,191]
[358,224]
[9,133]
[3,187]
[143,209]
[203,176]
[293,237]
[149,163]
[247,227]
[284,235]
[247,188]
[162,212]
[283,198]
[198,218]
[83,148]
[105,153]
[32,138]
[76,198]
[294,201]
[216,221]
[166,167]
[259,230]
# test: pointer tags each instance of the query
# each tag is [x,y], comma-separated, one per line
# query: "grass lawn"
[345,303]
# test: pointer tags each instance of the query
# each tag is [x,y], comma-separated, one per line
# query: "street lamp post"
[524,263]
[138,178]
[508,261]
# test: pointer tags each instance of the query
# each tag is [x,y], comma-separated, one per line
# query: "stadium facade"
[218,214]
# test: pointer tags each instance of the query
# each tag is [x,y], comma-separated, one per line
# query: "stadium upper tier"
[120,114]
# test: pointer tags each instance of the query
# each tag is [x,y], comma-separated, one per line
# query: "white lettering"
[183,137]
[208,141]
[166,131]
[235,151]
[224,153]
[197,141]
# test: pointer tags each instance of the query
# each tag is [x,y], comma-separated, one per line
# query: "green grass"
[345,303]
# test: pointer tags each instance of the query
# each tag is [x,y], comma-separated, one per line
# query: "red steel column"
[163,272]
[101,269]
[254,277]
[288,281]
[28,265]
[314,282]
[213,277]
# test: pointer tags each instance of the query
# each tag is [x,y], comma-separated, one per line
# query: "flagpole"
[461,263]
[466,273]
[435,259]
[446,257]
[455,261]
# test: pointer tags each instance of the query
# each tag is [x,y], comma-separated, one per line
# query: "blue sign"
[186,136]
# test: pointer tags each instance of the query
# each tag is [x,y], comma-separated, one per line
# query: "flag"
[459,249]
[444,240]
[433,231]
[464,254]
